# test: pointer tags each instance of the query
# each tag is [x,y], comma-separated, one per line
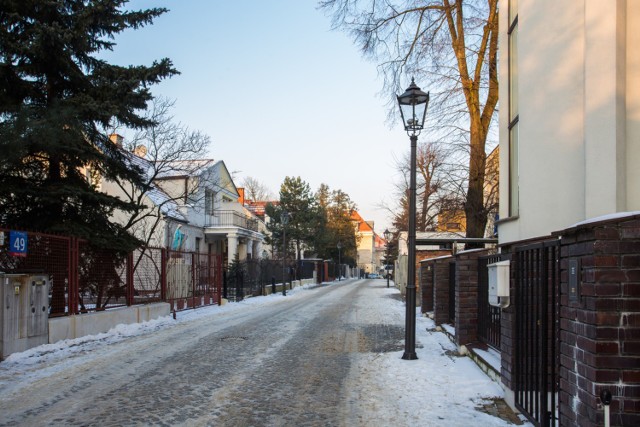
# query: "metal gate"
[537,301]
[488,316]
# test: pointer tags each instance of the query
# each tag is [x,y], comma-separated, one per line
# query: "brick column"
[467,296]
[441,290]
[426,284]
[600,326]
[425,271]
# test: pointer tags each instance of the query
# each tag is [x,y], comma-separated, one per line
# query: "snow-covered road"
[327,356]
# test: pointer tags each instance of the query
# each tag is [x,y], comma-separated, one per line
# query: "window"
[514,117]
[209,197]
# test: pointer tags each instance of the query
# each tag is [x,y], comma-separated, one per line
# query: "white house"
[207,196]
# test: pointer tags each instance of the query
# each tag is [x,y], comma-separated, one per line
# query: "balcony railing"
[231,219]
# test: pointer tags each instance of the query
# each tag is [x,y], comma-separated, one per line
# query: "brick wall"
[441,289]
[467,296]
[600,329]
[426,286]
[425,277]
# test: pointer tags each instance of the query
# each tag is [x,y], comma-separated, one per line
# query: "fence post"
[193,280]
[218,278]
[129,284]
[72,300]
[239,285]
[163,274]
[224,284]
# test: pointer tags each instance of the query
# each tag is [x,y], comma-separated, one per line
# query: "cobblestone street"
[327,356]
[283,364]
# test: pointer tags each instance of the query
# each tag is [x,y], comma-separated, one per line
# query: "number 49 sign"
[17,243]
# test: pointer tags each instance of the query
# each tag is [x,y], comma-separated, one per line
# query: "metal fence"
[488,316]
[251,277]
[192,279]
[231,219]
[84,278]
[537,280]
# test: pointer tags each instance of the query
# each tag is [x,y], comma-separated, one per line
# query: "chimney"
[116,139]
[241,198]
[140,151]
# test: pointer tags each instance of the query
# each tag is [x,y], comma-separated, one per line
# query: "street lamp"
[413,110]
[387,237]
[284,219]
[339,245]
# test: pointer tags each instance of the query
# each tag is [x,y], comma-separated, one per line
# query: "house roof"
[167,206]
[363,226]
[181,168]
[258,208]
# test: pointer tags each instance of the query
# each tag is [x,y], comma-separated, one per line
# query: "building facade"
[569,209]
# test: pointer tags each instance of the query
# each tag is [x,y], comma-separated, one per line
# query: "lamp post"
[413,110]
[284,219]
[387,237]
[339,245]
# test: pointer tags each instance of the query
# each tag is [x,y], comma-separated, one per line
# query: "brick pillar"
[425,278]
[467,296]
[600,327]
[426,284]
[441,290]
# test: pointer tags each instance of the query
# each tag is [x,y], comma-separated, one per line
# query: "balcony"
[226,219]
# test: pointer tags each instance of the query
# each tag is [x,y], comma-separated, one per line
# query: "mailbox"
[499,284]
[24,313]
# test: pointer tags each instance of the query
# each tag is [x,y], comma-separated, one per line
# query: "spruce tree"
[57,100]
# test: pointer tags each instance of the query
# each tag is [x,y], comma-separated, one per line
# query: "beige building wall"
[579,114]
[366,254]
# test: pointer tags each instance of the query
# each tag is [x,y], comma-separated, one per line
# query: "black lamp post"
[284,219]
[387,237]
[413,109]
[339,245]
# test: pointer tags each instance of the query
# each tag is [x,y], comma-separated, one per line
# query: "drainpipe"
[605,397]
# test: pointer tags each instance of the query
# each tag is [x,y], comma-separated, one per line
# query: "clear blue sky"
[279,93]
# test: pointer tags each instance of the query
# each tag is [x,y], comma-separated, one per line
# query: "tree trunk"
[474,204]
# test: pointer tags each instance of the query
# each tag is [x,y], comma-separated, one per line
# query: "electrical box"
[499,284]
[24,313]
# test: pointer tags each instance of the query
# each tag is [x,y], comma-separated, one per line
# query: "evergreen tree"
[57,100]
[300,203]
[341,227]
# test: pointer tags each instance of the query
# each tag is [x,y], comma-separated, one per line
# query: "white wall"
[578,127]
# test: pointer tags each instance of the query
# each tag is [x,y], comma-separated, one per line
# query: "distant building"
[371,247]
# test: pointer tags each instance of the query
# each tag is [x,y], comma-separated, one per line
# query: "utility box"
[24,313]
[499,284]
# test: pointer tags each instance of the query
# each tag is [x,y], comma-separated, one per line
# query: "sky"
[278,91]
[437,389]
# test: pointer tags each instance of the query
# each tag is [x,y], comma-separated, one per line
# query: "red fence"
[88,279]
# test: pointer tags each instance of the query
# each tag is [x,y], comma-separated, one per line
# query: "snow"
[609,217]
[490,356]
[440,385]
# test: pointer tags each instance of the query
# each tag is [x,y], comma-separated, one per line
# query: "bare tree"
[453,45]
[432,192]
[255,190]
[165,150]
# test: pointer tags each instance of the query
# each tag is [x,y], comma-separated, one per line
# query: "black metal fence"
[251,277]
[488,315]
[536,371]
